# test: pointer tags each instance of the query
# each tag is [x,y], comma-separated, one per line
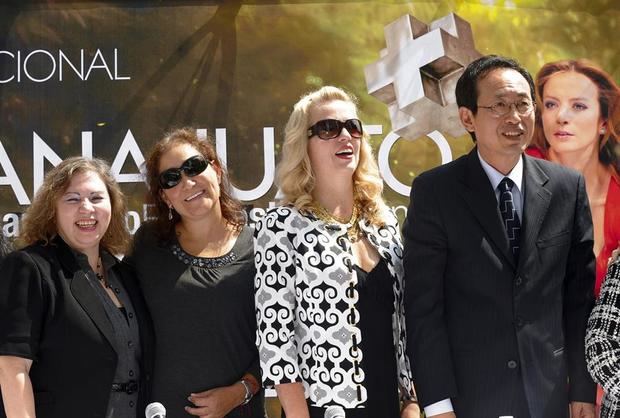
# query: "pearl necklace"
[353,230]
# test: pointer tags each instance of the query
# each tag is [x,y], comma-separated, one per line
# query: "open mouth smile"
[194,196]
[87,224]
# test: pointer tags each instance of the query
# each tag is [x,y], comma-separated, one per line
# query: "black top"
[50,312]
[203,313]
[375,306]
[126,342]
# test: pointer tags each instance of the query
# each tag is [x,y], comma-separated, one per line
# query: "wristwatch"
[248,391]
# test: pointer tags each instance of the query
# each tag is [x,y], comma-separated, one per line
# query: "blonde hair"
[295,176]
[39,224]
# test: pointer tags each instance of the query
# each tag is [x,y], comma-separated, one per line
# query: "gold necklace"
[352,226]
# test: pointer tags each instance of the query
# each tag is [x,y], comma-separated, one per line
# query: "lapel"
[82,290]
[536,200]
[480,197]
[386,241]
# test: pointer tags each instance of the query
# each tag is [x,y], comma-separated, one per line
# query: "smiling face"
[571,114]
[337,156]
[83,212]
[194,197]
[500,139]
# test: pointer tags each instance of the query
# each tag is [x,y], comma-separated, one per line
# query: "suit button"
[518,281]
[512,364]
[519,322]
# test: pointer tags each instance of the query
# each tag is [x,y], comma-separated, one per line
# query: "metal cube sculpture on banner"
[417,74]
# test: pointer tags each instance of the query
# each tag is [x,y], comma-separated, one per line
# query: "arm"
[23,304]
[603,335]
[425,259]
[399,328]
[275,300]
[293,400]
[579,299]
[217,402]
[16,387]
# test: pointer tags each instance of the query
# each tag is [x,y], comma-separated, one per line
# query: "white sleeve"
[437,408]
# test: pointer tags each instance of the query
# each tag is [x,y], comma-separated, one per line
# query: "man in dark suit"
[499,266]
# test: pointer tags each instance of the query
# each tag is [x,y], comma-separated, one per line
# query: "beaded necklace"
[101,275]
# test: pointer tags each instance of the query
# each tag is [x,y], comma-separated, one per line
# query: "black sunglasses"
[331,128]
[191,167]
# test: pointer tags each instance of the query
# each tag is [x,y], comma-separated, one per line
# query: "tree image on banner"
[416,76]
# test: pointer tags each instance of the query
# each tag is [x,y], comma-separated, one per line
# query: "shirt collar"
[516,174]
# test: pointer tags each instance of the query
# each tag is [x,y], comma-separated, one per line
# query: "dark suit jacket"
[50,314]
[495,337]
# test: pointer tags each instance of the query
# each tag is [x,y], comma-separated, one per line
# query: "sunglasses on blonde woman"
[191,167]
[331,128]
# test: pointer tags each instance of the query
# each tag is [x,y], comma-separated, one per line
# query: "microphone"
[334,411]
[155,410]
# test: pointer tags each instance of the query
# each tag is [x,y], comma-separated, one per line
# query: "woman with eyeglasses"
[195,265]
[329,282]
[75,336]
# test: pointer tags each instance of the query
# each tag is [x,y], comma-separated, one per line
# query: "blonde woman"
[329,281]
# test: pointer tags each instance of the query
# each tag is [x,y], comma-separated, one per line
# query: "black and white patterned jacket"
[305,305]
[603,341]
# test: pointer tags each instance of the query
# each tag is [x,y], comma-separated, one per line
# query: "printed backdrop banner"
[108,79]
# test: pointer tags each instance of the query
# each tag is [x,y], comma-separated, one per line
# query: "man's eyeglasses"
[501,108]
[191,167]
[331,128]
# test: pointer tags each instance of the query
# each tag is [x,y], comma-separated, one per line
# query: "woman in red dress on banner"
[577,126]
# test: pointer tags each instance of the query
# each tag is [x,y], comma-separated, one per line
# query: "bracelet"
[248,392]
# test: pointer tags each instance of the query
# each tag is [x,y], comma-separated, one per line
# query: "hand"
[445,415]
[216,403]
[410,410]
[582,410]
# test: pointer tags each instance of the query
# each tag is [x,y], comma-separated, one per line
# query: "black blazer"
[495,337]
[49,313]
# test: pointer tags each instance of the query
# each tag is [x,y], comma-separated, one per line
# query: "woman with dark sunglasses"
[329,283]
[195,265]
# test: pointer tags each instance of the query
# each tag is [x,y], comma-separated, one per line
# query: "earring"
[170,212]
[602,131]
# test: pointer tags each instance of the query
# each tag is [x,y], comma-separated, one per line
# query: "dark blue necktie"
[509,215]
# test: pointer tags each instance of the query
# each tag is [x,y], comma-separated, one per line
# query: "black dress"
[203,315]
[375,306]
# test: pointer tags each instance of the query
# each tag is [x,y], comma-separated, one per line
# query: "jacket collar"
[80,286]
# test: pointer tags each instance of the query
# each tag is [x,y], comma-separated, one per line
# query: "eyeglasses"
[331,128]
[191,167]
[501,108]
